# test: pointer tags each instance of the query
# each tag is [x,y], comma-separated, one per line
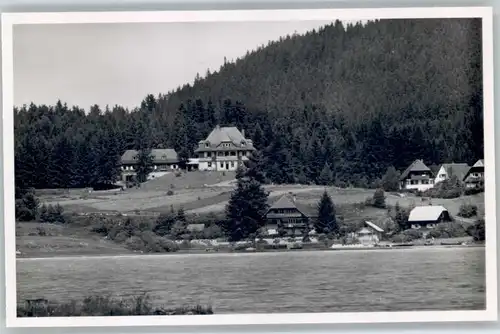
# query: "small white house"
[370,234]
[446,171]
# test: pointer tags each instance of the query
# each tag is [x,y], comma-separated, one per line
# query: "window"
[243,143]
[221,165]
[209,165]
[232,163]
[431,181]
[442,176]
[425,181]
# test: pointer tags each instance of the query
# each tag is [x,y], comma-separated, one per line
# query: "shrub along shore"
[104,306]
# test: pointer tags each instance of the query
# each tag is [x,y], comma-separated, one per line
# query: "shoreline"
[227,252]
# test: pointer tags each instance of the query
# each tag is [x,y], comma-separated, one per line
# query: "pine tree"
[327,221]
[240,172]
[246,209]
[255,166]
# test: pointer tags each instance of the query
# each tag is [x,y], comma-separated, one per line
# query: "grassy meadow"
[199,193]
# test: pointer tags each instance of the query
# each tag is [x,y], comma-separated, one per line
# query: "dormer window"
[207,144]
[243,143]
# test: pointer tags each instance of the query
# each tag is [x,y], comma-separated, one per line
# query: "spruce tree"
[255,166]
[327,221]
[246,208]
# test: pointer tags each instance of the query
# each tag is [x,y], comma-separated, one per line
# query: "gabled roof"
[417,166]
[286,202]
[478,167]
[229,134]
[159,156]
[373,226]
[479,163]
[459,170]
[426,213]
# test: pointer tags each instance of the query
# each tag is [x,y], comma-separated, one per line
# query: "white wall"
[441,175]
[231,165]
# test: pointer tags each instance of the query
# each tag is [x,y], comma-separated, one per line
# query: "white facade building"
[224,150]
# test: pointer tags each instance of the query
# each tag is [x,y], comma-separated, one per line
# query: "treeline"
[335,106]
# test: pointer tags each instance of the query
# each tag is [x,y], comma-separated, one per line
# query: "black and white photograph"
[246,167]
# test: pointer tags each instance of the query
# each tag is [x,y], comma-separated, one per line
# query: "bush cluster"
[449,188]
[98,305]
[467,210]
[160,235]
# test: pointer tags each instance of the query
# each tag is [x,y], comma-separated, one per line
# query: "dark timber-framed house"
[286,217]
[475,175]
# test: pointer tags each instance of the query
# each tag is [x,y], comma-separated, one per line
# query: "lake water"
[336,281]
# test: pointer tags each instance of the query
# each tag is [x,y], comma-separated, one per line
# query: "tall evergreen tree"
[246,209]
[327,221]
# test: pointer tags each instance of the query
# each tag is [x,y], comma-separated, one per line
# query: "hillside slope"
[334,106]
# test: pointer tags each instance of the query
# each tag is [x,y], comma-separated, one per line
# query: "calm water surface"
[336,281]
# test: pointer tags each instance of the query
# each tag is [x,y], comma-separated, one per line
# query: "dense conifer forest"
[334,106]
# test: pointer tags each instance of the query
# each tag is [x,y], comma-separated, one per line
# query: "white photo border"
[11,19]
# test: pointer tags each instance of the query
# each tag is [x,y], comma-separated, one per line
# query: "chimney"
[243,133]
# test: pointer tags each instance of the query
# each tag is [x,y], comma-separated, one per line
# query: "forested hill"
[339,105]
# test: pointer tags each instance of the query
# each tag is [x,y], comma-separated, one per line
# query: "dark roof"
[478,167]
[160,156]
[287,202]
[460,170]
[221,135]
[284,202]
[417,166]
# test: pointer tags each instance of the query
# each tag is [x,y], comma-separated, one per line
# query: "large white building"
[224,149]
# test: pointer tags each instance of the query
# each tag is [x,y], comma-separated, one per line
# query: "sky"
[108,64]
